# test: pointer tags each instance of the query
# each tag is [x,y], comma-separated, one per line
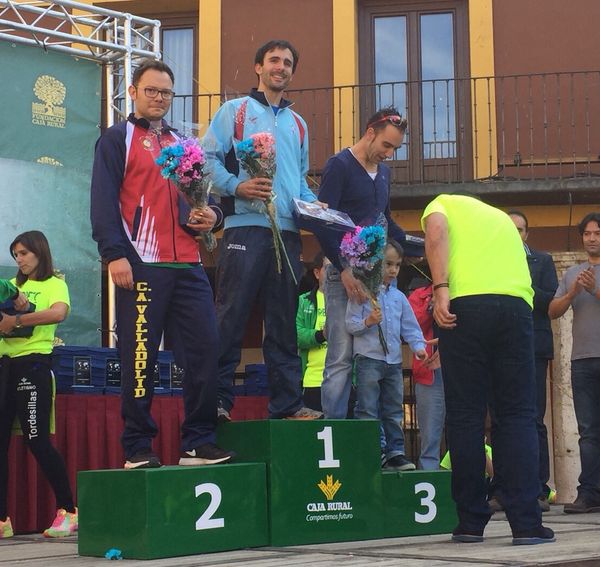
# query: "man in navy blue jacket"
[544,282]
[356,182]
[160,283]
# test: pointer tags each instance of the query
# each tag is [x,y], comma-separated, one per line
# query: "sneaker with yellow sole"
[6,529]
[65,524]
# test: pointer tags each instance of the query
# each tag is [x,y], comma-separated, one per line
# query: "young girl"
[26,376]
[312,343]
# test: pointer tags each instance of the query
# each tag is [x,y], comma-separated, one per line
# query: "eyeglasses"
[394,119]
[152,92]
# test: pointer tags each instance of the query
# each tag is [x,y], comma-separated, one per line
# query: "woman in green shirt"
[26,385]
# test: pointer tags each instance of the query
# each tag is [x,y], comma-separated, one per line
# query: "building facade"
[502,98]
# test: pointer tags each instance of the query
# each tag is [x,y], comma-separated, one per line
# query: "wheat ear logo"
[329,488]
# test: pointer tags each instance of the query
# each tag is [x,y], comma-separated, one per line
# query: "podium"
[293,483]
[417,503]
[323,476]
[171,511]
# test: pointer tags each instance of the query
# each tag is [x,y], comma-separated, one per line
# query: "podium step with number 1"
[324,476]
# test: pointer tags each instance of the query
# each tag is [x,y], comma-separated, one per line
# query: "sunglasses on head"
[394,119]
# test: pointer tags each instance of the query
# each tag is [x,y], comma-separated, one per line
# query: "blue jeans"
[246,274]
[490,353]
[431,412]
[585,380]
[337,376]
[380,394]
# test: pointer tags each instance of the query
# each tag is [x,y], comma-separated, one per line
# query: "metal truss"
[112,38]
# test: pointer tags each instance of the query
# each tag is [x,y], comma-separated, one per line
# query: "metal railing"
[510,128]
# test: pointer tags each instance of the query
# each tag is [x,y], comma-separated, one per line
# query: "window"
[412,55]
[179,54]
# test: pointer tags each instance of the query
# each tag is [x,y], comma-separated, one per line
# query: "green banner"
[51,117]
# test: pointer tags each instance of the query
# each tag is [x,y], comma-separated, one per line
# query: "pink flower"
[264,144]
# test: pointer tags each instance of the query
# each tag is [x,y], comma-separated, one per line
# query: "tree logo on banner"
[52,94]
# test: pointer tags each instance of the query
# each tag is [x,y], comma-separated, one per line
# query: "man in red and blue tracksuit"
[146,234]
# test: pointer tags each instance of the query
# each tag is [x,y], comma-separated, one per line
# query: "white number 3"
[206,521]
[426,501]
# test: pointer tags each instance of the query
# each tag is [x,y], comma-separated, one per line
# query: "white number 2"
[206,521]
[426,501]
[328,462]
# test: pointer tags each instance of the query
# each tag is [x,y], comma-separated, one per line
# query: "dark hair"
[147,65]
[276,44]
[317,261]
[35,242]
[590,217]
[385,116]
[517,213]
[312,282]
[393,244]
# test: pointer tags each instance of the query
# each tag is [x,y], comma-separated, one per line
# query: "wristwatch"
[18,323]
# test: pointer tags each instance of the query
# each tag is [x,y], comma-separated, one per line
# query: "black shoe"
[398,463]
[581,506]
[533,537]
[207,454]
[145,459]
[462,535]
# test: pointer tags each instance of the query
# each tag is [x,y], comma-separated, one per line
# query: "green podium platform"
[324,477]
[293,483]
[170,511]
[418,503]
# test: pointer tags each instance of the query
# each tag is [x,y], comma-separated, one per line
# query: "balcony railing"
[512,128]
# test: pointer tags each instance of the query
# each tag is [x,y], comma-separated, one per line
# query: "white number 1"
[206,521]
[328,462]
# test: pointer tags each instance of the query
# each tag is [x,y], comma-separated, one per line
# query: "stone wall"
[560,416]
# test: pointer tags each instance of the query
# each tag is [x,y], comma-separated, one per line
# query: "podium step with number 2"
[170,511]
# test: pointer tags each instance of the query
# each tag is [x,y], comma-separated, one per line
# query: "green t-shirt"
[313,375]
[7,290]
[43,294]
[446,462]
[485,251]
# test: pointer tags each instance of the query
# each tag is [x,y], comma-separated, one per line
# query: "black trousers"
[26,393]
[179,302]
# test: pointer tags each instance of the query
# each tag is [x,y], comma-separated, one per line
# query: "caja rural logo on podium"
[331,510]
[49,112]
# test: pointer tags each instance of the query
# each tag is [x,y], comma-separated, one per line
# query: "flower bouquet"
[183,163]
[257,156]
[363,251]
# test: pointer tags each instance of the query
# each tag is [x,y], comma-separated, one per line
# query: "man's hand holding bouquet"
[184,163]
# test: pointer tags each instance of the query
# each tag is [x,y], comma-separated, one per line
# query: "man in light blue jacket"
[246,268]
